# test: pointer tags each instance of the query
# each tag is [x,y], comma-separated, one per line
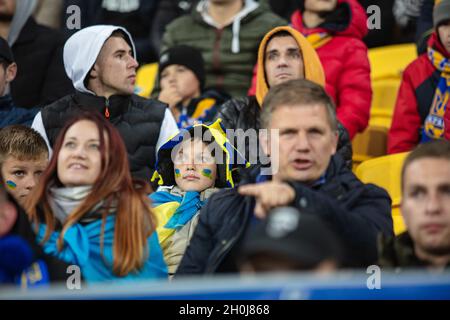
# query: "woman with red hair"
[89,212]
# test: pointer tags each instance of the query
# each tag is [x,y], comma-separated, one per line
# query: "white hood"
[82,49]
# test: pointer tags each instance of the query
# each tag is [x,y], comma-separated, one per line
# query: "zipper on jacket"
[107,109]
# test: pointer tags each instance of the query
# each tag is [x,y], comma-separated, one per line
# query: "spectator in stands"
[289,241]
[423,97]
[182,82]
[100,61]
[38,53]
[23,261]
[9,113]
[335,28]
[23,158]
[426,210]
[284,54]
[135,16]
[228,34]
[90,212]
[305,174]
[191,167]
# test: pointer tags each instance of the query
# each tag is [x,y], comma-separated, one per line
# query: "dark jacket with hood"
[229,52]
[38,53]
[357,211]
[143,124]
[245,113]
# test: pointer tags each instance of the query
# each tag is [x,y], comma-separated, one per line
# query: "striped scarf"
[434,123]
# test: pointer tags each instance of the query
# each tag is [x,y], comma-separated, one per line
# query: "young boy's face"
[182,79]
[21,176]
[195,167]
[444,35]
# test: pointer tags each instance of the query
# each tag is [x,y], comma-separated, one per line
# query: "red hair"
[134,221]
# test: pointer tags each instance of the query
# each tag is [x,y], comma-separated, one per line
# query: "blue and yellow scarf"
[174,211]
[434,123]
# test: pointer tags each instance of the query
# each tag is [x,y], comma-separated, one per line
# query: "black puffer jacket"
[357,211]
[244,113]
[137,119]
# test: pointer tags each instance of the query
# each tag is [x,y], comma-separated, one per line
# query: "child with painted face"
[190,167]
[23,158]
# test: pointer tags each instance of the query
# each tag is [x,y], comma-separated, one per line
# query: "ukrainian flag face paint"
[11,185]
[207,173]
[177,173]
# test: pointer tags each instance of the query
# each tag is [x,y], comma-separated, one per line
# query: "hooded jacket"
[244,113]
[38,53]
[345,61]
[357,211]
[229,52]
[143,124]
[414,100]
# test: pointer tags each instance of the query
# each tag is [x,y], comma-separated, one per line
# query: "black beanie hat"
[186,56]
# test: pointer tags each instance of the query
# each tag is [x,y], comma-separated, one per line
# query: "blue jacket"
[10,114]
[82,247]
[357,211]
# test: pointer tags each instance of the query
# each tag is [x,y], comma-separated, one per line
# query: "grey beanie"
[441,12]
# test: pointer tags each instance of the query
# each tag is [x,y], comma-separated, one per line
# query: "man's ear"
[94,73]
[11,72]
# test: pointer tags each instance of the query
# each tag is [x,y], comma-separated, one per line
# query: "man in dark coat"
[38,52]
[306,173]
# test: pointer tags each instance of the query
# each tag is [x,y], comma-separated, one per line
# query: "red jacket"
[345,61]
[414,99]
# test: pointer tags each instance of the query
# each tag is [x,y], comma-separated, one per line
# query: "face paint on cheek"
[11,184]
[177,173]
[207,173]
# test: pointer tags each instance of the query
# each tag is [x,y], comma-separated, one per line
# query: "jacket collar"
[116,104]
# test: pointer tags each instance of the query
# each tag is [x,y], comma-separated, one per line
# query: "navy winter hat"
[186,56]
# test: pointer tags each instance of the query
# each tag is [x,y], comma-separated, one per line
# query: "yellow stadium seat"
[370,144]
[385,172]
[388,62]
[384,98]
[145,79]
